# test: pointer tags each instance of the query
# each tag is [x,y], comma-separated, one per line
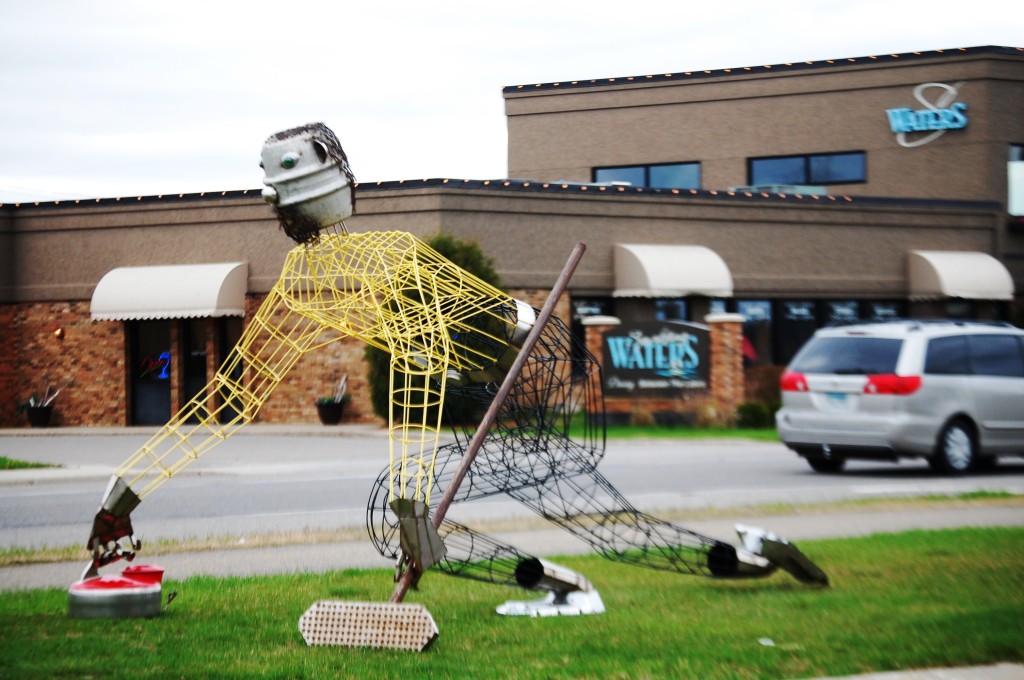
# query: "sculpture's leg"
[590,507]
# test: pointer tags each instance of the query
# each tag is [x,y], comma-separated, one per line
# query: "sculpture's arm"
[270,346]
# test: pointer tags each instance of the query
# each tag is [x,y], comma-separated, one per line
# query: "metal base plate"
[577,603]
[368,624]
[135,601]
[134,593]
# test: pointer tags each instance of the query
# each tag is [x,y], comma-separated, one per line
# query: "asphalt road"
[272,479]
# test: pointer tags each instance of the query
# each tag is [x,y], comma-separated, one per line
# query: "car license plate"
[837,400]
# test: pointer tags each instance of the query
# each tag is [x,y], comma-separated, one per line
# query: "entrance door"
[151,372]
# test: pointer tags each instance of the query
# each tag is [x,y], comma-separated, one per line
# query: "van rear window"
[848,355]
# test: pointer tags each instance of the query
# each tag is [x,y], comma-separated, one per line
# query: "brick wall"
[9,388]
[714,406]
[90,360]
[87,363]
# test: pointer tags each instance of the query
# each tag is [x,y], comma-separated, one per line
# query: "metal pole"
[403,585]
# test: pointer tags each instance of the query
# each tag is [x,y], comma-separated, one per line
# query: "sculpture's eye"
[289,160]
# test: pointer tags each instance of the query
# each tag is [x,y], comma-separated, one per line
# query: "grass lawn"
[15,464]
[913,600]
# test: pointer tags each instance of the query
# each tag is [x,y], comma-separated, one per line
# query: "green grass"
[14,464]
[913,600]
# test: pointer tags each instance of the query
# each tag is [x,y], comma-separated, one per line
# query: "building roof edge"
[787,67]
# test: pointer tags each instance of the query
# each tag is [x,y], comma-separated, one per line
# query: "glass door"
[150,372]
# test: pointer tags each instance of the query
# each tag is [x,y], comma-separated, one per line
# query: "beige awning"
[939,274]
[651,270]
[171,292]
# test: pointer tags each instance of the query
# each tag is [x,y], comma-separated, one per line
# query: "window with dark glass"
[658,176]
[947,356]
[996,355]
[670,309]
[849,355]
[812,169]
[675,176]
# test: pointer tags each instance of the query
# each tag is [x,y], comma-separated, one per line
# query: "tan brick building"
[837,220]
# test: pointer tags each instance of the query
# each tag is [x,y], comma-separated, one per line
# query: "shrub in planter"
[331,409]
[40,410]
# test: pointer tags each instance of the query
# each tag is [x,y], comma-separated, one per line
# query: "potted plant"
[332,408]
[40,410]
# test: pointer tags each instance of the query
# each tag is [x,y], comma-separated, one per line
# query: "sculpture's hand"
[112,523]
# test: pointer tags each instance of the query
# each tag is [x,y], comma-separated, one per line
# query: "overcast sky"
[107,98]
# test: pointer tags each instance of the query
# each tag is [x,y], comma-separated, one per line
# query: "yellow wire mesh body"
[390,290]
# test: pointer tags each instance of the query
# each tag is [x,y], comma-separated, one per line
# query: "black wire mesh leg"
[476,556]
[591,508]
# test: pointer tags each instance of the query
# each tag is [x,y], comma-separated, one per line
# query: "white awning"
[939,274]
[651,270]
[171,292]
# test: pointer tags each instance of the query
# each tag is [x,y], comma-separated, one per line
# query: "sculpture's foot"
[781,553]
[368,624]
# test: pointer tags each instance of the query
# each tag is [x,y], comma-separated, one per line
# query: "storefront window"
[229,330]
[795,324]
[193,335]
[670,310]
[1015,177]
[883,311]
[841,312]
[582,307]
[757,331]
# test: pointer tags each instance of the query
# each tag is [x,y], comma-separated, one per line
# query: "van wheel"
[828,465]
[954,453]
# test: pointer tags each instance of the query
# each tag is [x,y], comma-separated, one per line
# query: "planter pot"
[39,416]
[330,412]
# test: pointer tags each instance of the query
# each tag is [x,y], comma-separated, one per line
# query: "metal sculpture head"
[308,180]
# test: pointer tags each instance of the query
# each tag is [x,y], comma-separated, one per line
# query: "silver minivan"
[949,391]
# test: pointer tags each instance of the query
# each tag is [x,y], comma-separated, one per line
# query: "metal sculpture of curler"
[447,332]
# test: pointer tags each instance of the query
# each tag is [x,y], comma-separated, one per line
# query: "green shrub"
[756,415]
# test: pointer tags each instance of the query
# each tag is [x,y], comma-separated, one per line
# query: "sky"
[113,98]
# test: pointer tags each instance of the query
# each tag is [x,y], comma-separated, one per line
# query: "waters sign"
[939,112]
[655,359]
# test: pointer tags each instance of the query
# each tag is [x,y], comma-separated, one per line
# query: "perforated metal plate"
[368,624]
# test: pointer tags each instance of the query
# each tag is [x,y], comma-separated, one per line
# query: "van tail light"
[888,383]
[791,381]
